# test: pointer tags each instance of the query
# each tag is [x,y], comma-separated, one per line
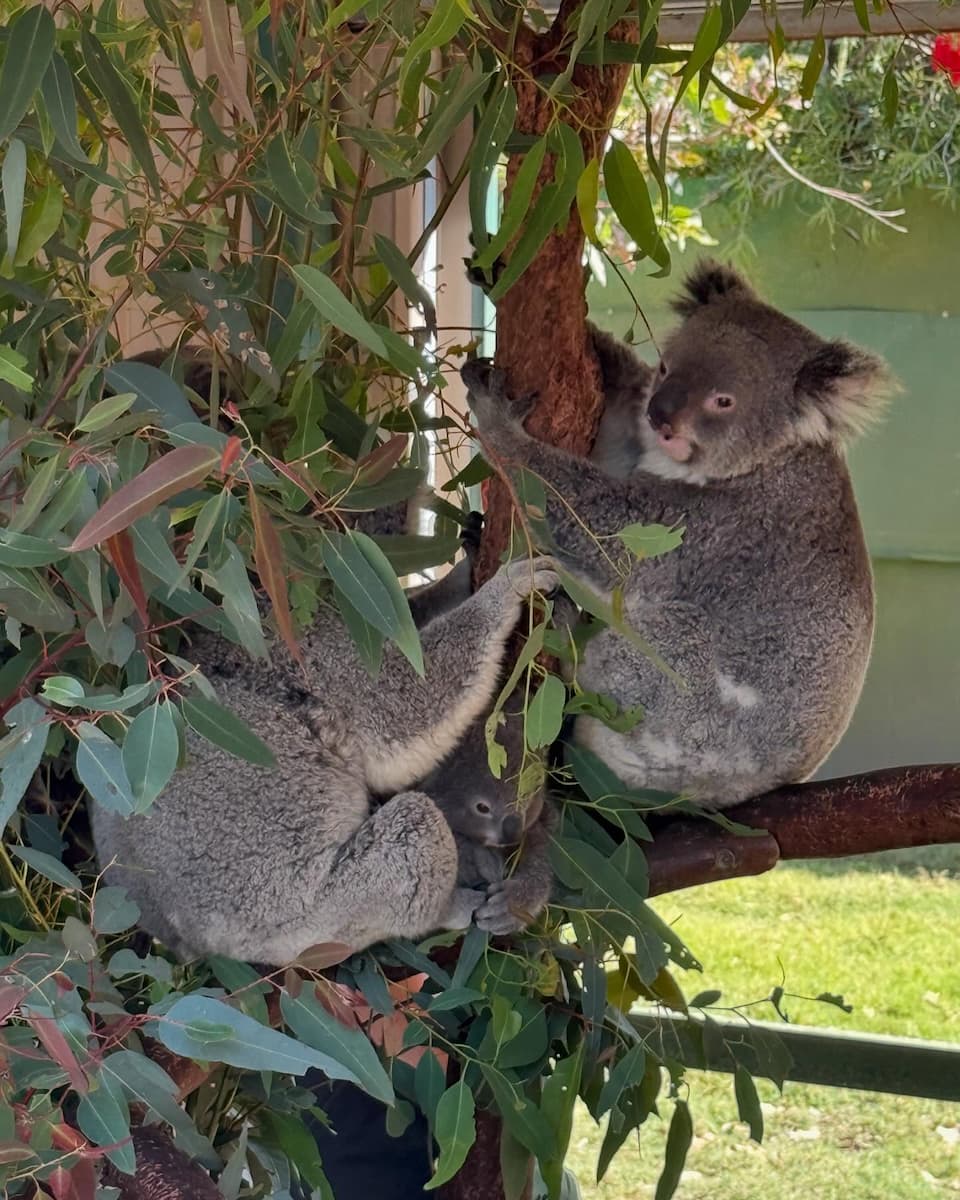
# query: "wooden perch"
[860,814]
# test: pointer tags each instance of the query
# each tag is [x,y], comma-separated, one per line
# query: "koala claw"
[463,904]
[527,576]
[501,914]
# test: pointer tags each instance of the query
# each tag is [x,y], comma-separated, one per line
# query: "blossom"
[946,56]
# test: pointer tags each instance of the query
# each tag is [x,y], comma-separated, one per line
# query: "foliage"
[228,198]
[875,123]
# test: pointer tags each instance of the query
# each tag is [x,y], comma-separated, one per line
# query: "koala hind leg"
[396,877]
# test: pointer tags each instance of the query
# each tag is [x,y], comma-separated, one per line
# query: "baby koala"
[490,824]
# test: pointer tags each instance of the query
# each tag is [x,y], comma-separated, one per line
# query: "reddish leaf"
[231,452]
[10,996]
[180,469]
[380,462]
[77,1183]
[56,1045]
[268,556]
[124,559]
[65,1137]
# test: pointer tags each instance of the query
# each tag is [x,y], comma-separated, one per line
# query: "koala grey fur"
[487,822]
[766,610]
[258,863]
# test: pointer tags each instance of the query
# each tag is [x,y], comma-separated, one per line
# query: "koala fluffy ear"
[840,391]
[707,282]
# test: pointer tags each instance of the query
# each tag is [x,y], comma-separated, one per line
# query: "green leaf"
[125,962]
[628,193]
[521,1116]
[890,97]
[860,8]
[333,305]
[402,274]
[113,910]
[239,602]
[705,999]
[517,206]
[63,690]
[367,641]
[557,1103]
[150,752]
[155,391]
[705,44]
[203,1028]
[22,550]
[30,45]
[122,108]
[455,1131]
[105,411]
[440,30]
[348,1052]
[588,197]
[491,135]
[41,221]
[748,1102]
[222,727]
[56,88]
[103,1116]
[145,1082]
[48,866]
[813,67]
[22,751]
[429,1083]
[99,767]
[12,363]
[14,181]
[168,476]
[545,715]
[628,1071]
[650,541]
[359,569]
[679,1138]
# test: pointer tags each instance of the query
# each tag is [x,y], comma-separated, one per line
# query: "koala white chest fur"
[766,610]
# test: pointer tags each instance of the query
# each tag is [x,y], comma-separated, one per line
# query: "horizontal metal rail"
[866,1062]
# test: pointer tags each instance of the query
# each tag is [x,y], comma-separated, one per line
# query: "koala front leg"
[396,877]
[586,507]
[411,724]
[517,900]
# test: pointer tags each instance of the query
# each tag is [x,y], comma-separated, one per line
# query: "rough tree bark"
[542,338]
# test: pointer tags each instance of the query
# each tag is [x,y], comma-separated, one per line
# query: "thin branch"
[857,202]
[894,809]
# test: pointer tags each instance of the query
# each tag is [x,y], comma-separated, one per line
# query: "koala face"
[482,817]
[739,383]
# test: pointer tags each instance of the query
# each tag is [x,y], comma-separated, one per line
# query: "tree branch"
[893,809]
[164,1171]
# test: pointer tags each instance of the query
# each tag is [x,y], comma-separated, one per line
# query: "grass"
[883,932]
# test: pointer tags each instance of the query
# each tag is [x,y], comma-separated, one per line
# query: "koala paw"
[463,904]
[470,533]
[503,911]
[489,398]
[529,575]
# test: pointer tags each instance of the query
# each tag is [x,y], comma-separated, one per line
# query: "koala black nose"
[664,405]
[511,830]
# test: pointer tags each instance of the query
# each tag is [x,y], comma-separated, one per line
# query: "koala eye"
[482,807]
[719,403]
[663,369]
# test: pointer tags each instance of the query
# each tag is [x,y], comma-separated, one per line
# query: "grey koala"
[766,610]
[259,864]
[487,822]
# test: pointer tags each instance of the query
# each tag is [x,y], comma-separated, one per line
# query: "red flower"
[946,56]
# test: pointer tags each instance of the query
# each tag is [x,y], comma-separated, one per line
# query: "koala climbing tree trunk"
[542,340]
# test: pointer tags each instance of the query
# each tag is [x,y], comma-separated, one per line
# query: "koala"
[765,612]
[487,821]
[260,863]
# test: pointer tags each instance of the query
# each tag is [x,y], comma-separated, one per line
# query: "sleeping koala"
[488,823]
[259,864]
[766,610]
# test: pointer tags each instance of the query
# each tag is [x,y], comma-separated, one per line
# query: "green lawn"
[881,931]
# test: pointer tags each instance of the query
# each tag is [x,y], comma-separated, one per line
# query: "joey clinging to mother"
[765,612]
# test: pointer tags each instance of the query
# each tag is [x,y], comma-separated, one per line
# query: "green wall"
[900,295]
